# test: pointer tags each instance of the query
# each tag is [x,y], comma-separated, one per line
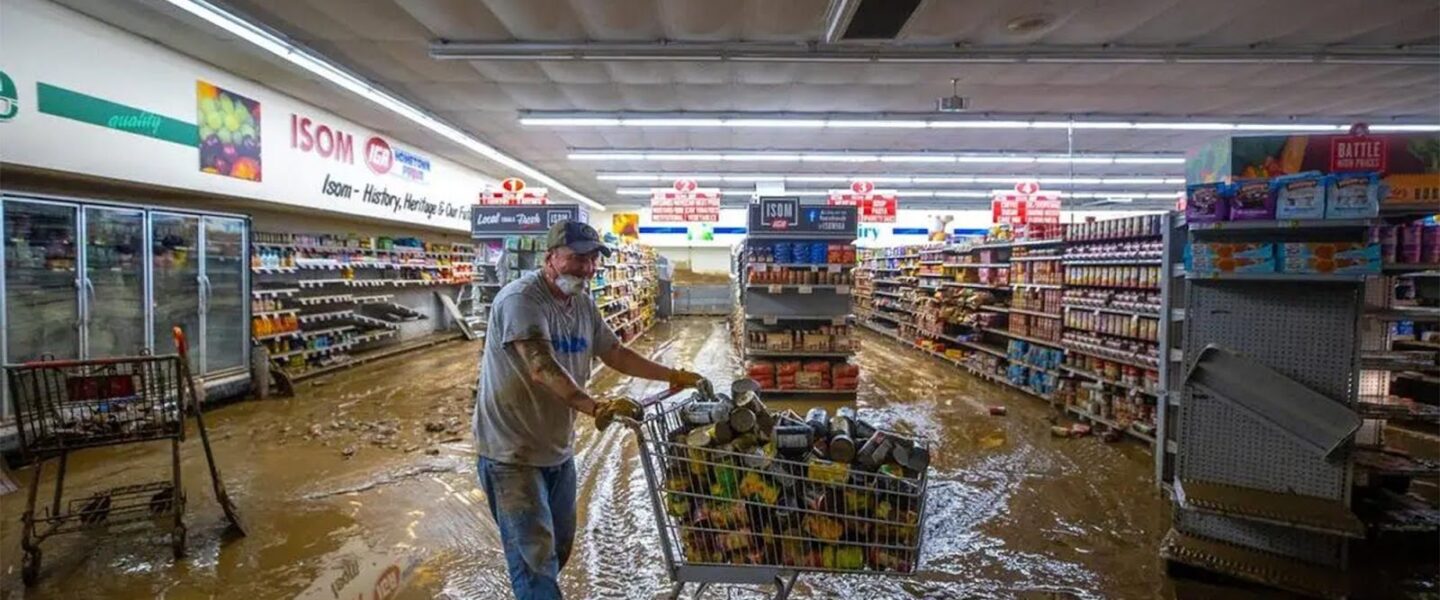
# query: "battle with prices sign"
[874,206]
[685,202]
[1026,205]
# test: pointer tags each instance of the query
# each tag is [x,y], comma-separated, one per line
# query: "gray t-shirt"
[517,421]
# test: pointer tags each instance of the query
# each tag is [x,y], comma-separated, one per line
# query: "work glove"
[680,379]
[607,410]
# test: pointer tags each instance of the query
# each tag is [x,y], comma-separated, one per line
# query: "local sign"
[1358,151]
[1026,205]
[874,206]
[514,192]
[685,201]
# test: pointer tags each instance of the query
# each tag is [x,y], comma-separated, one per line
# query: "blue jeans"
[535,509]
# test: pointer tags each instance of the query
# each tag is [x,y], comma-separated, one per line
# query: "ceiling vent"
[879,19]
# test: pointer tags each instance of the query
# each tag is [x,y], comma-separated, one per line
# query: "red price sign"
[875,206]
[1358,151]
[1026,205]
[513,192]
[685,203]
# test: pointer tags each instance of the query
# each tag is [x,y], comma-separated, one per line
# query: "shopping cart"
[63,406]
[745,517]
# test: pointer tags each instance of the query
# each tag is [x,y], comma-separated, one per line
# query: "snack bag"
[1353,196]
[1207,203]
[1300,196]
[1252,201]
[1330,257]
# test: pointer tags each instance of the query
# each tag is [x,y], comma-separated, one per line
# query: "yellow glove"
[680,379]
[607,410]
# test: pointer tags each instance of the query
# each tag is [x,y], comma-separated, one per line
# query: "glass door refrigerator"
[42,303]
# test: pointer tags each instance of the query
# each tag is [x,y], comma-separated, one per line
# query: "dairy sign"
[512,191]
[685,201]
[874,206]
[1026,205]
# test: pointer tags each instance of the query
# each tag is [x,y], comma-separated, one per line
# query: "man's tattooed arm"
[540,364]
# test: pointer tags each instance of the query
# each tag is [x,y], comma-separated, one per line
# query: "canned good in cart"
[768,504]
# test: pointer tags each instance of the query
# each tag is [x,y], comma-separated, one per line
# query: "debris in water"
[1111,436]
[434,427]
[998,411]
[348,452]
[316,430]
[1060,431]
[1079,430]
[432,451]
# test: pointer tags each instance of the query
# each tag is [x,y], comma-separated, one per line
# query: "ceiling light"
[1030,23]
[606,156]
[838,158]
[1004,179]
[1019,160]
[925,193]
[846,157]
[610,119]
[918,158]
[309,62]
[763,157]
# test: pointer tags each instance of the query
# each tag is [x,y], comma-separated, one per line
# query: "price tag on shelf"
[775,289]
[843,290]
[805,289]
[770,320]
[834,268]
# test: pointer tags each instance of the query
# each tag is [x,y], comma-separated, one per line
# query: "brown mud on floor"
[1013,512]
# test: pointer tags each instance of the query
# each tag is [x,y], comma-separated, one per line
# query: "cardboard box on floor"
[1410,162]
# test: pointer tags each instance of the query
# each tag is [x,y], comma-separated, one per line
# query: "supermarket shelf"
[1094,418]
[317,300]
[839,288]
[313,318]
[979,286]
[275,313]
[932,262]
[796,354]
[372,299]
[797,317]
[1407,268]
[1299,277]
[994,309]
[889,294]
[1397,409]
[1419,344]
[320,332]
[985,246]
[1428,315]
[276,336]
[1036,313]
[797,392]
[1035,258]
[1113,335]
[812,266]
[1309,513]
[275,292]
[1026,338]
[272,270]
[901,309]
[1280,225]
[1115,311]
[1112,261]
[1391,462]
[1124,361]
[1046,242]
[1097,377]
[987,348]
[1253,565]
[940,336]
[881,315]
[978,265]
[1043,286]
[891,281]
[1123,238]
[933,275]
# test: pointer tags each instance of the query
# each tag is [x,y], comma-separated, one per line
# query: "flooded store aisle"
[364,484]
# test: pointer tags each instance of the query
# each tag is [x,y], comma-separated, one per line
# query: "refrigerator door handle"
[90,300]
[204,293]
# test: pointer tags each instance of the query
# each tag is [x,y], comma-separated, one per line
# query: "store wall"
[109,104]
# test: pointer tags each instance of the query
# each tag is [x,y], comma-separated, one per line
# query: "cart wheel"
[30,571]
[675,590]
[177,541]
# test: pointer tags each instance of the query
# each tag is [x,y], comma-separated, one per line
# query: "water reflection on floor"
[364,484]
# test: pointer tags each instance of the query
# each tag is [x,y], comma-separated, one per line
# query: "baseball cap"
[576,236]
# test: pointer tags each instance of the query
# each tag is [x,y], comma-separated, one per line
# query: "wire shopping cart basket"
[63,406]
[757,511]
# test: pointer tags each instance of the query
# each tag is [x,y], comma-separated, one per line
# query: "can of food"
[842,448]
[759,458]
[876,449]
[699,414]
[701,437]
[740,386]
[918,459]
[741,419]
[722,432]
[863,430]
[793,439]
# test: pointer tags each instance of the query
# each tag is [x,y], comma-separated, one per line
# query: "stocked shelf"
[1115,311]
[1035,313]
[1042,286]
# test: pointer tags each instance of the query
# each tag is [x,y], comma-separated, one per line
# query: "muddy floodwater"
[364,483]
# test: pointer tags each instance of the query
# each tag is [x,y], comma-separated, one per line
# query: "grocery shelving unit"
[1248,489]
[795,274]
[305,310]
[625,289]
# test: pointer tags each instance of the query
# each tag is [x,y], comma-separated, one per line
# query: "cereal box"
[1330,257]
[1204,258]
[1300,196]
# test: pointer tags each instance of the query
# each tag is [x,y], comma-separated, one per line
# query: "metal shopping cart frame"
[63,406]
[660,457]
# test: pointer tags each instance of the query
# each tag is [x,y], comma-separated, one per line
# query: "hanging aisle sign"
[1358,151]
[685,201]
[513,192]
[1026,205]
[874,206]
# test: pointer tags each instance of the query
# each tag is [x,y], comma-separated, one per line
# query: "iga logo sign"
[378,156]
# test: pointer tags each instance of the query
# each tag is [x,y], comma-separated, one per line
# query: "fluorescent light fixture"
[273,44]
[682,156]
[853,158]
[1148,160]
[818,179]
[763,157]
[1001,179]
[917,158]
[845,157]
[937,193]
[1018,160]
[606,156]
[610,119]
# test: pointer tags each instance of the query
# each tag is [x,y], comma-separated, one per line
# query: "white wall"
[41,41]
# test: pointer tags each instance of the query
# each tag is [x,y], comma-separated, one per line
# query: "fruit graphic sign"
[229,127]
